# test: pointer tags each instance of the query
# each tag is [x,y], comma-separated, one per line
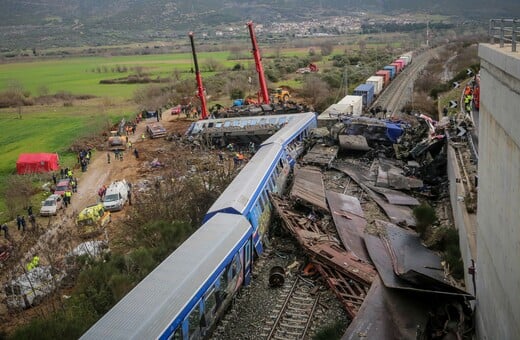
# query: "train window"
[261,199]
[235,266]
[210,301]
[194,321]
[272,121]
[223,279]
[227,123]
[248,253]
[282,120]
[265,197]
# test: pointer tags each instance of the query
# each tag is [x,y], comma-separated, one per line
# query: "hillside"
[58,23]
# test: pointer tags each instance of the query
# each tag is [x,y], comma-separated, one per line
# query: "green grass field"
[81,75]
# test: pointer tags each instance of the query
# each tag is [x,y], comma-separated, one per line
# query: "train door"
[195,323]
[248,261]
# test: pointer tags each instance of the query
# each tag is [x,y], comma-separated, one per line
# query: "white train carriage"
[186,294]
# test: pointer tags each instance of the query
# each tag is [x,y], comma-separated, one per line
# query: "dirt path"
[58,235]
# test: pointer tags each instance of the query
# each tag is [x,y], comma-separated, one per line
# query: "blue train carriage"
[200,126]
[184,297]
[291,137]
[267,171]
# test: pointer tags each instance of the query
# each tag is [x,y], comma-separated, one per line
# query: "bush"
[425,217]
[330,331]
[237,93]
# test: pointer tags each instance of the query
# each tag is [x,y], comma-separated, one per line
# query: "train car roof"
[241,191]
[293,128]
[148,310]
[199,126]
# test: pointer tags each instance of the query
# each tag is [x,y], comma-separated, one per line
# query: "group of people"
[84,158]
[21,223]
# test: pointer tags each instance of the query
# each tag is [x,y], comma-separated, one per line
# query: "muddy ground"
[58,235]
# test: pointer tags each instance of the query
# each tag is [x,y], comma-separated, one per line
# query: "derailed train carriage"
[184,297]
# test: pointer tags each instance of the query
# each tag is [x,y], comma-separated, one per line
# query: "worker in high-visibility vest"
[35,262]
[67,197]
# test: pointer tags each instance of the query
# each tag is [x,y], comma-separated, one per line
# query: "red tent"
[29,163]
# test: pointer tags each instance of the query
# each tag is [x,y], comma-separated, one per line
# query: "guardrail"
[504,30]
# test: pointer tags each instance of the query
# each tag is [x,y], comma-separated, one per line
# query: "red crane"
[259,68]
[200,88]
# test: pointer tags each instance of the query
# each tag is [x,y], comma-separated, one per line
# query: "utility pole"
[345,80]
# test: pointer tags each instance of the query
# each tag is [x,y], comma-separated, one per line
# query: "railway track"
[294,311]
[399,92]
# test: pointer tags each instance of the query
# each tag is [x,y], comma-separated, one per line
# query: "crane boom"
[259,68]
[200,88]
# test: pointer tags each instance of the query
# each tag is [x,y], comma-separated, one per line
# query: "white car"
[51,205]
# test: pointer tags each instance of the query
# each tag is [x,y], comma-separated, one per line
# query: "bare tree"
[212,65]
[326,48]
[315,90]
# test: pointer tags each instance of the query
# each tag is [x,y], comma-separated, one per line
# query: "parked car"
[92,220]
[116,196]
[62,186]
[51,205]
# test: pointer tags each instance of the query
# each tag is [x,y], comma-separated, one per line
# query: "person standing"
[6,231]
[29,210]
[54,179]
[108,157]
[23,223]
[136,154]
[19,222]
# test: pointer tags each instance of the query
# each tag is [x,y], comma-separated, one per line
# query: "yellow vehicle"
[92,220]
[116,141]
[282,95]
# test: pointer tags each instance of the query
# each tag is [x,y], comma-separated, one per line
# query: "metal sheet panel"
[321,155]
[350,222]
[148,309]
[388,314]
[382,260]
[308,187]
[414,262]
[394,196]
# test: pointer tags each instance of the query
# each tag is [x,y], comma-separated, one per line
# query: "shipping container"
[397,67]
[406,60]
[355,104]
[401,64]
[408,55]
[378,82]
[386,76]
[335,112]
[367,92]
[391,69]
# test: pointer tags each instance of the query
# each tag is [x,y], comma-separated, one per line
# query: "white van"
[116,196]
